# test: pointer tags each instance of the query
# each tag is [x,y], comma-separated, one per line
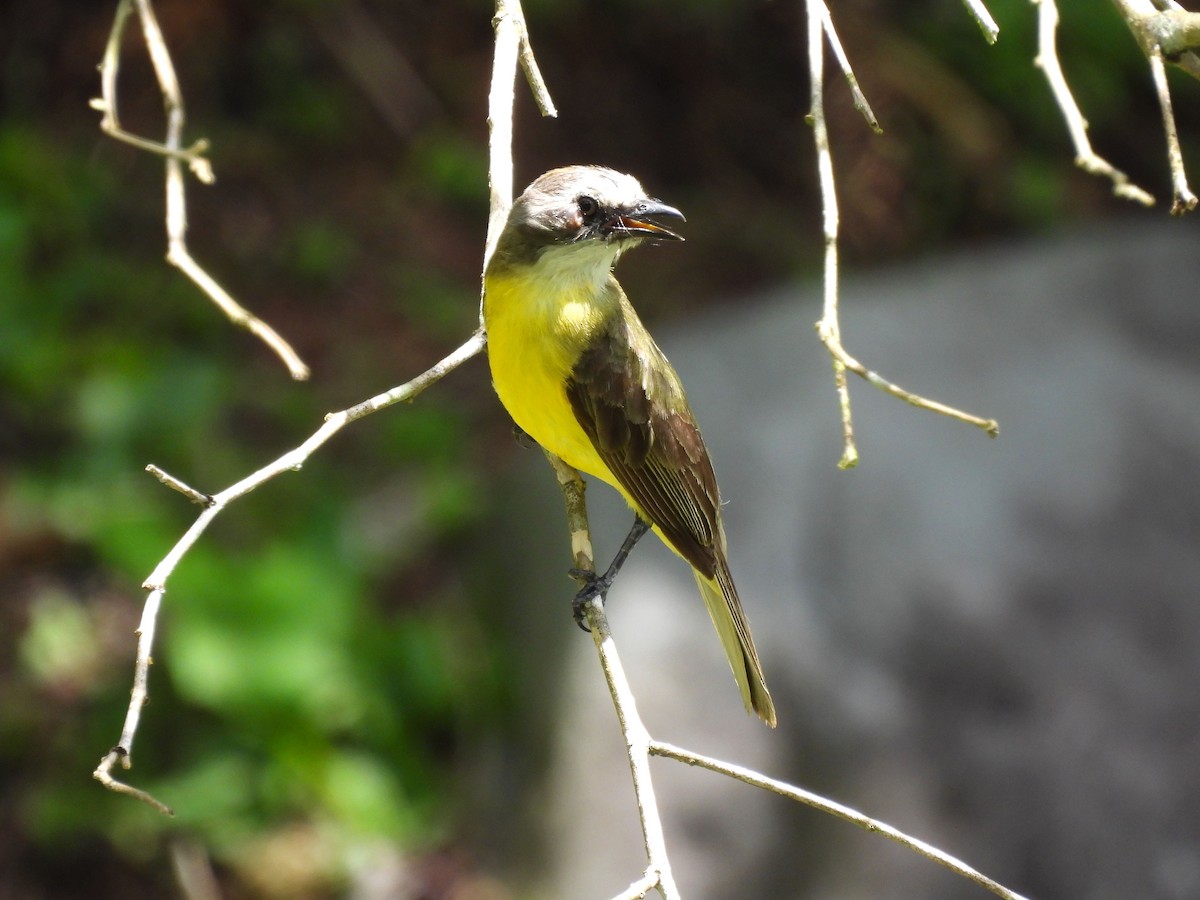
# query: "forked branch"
[509,40]
[820,28]
[640,746]
[1166,32]
[175,155]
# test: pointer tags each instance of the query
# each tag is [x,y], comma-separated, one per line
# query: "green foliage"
[289,687]
[319,663]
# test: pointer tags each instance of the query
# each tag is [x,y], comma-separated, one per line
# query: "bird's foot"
[593,586]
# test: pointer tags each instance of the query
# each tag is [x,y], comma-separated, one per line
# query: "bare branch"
[156,582]
[983,18]
[828,327]
[639,888]
[176,485]
[1183,200]
[1154,32]
[138,696]
[1085,157]
[639,746]
[816,801]
[1178,33]
[107,102]
[817,16]
[500,116]
[512,45]
[294,460]
[637,738]
[533,75]
[175,156]
[859,98]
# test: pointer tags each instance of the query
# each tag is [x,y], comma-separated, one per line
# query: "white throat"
[585,265]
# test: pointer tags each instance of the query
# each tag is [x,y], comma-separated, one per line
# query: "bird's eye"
[588,207]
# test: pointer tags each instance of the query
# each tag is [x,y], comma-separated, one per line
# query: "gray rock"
[993,645]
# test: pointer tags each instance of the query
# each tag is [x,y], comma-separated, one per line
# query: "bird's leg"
[598,585]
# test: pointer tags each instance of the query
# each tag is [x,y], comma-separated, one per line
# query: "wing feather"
[630,403]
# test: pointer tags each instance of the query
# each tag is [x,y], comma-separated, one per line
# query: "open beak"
[635,221]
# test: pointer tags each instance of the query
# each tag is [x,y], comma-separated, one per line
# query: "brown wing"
[630,402]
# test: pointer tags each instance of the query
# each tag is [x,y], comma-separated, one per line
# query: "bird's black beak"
[634,221]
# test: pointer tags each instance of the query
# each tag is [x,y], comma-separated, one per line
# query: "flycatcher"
[579,373]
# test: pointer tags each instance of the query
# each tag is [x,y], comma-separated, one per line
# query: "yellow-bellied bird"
[579,373]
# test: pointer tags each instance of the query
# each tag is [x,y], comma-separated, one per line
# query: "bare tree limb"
[1179,35]
[512,49]
[859,98]
[512,45]
[983,18]
[639,746]
[107,102]
[637,738]
[156,582]
[828,328]
[1166,37]
[510,33]
[639,888]
[138,697]
[816,801]
[176,485]
[1183,200]
[175,155]
[1085,157]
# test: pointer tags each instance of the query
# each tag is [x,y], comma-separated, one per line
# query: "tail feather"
[725,610]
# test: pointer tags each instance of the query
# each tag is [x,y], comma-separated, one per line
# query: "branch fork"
[512,49]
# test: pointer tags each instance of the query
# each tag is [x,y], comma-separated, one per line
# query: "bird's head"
[579,207]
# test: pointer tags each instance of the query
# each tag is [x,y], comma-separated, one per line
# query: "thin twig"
[979,12]
[1085,157]
[816,801]
[1151,29]
[175,156]
[293,460]
[500,128]
[1179,35]
[107,104]
[639,746]
[512,46]
[858,97]
[122,752]
[176,485]
[155,583]
[533,75]
[637,738]
[828,327]
[1182,198]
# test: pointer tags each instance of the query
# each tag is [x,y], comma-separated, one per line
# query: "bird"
[579,374]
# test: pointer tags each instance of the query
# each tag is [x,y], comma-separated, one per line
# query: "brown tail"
[725,610]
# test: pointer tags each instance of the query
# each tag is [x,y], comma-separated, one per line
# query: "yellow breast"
[537,329]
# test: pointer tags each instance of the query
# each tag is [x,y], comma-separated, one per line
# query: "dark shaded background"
[329,682]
